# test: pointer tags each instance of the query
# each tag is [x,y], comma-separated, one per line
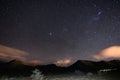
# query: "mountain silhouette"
[17,68]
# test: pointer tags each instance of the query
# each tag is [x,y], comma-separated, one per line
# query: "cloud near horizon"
[112,52]
[64,62]
[8,53]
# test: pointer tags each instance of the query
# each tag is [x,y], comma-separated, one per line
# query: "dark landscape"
[59,39]
[17,68]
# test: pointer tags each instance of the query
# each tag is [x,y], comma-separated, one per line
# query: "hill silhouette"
[17,68]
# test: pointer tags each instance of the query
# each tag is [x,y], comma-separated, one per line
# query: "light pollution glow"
[64,62]
[8,53]
[35,62]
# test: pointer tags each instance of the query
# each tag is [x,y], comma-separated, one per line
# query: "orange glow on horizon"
[63,62]
[35,62]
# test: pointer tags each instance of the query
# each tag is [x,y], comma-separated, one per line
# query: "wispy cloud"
[8,53]
[112,52]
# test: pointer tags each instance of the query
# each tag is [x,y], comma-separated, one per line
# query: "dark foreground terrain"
[17,68]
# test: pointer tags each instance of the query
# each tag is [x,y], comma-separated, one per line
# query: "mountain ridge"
[15,67]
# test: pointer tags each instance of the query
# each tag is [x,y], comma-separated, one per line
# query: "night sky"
[51,30]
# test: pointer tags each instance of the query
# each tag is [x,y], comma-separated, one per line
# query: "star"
[94,5]
[99,13]
[95,32]
[50,33]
